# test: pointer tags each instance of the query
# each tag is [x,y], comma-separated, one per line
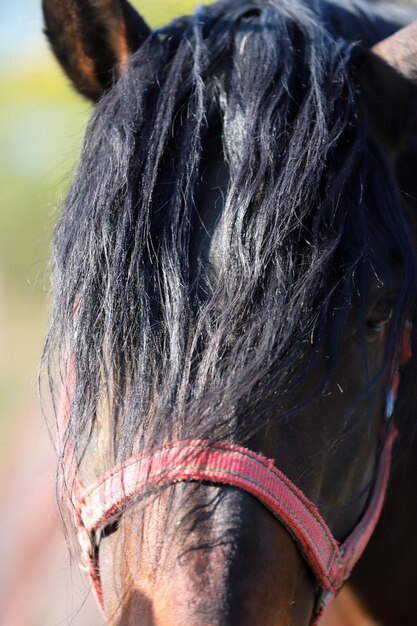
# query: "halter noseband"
[227,464]
[98,505]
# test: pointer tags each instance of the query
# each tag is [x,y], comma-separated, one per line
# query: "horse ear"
[92,39]
[388,79]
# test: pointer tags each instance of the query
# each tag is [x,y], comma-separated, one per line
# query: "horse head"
[233,279]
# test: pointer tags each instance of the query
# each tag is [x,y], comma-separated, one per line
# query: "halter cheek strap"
[227,464]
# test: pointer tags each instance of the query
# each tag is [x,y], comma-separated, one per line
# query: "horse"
[234,290]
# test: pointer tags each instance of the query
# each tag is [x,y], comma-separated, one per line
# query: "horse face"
[301,374]
[224,559]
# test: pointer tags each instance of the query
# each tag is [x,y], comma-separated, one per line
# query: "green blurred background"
[41,127]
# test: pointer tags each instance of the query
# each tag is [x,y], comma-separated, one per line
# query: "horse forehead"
[206,244]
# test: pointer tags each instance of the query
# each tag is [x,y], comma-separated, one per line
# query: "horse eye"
[380,316]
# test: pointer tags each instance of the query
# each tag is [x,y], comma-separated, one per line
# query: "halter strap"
[100,504]
[227,464]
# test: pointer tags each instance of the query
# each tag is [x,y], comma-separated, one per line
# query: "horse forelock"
[174,351]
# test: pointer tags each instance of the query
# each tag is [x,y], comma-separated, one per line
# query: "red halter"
[227,464]
[221,463]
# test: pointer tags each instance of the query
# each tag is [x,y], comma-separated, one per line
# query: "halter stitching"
[326,562]
[85,496]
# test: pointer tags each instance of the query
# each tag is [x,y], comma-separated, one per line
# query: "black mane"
[163,343]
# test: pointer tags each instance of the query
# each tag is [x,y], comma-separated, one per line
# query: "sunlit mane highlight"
[164,343]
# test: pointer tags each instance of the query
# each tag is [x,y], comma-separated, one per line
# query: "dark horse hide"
[235,263]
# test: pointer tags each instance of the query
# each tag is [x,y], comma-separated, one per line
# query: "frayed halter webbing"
[227,464]
[221,463]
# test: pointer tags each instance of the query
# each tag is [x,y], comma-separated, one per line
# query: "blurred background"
[41,127]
